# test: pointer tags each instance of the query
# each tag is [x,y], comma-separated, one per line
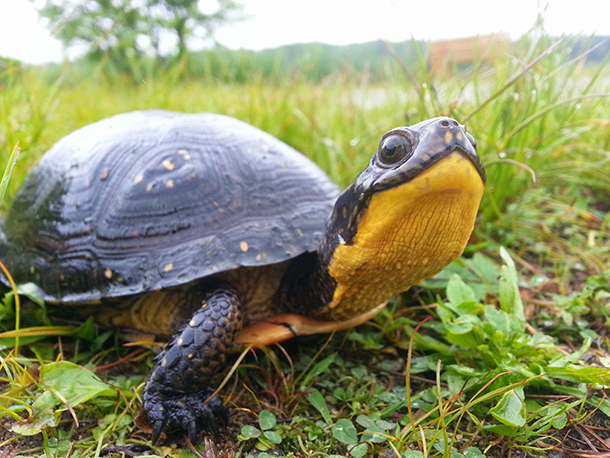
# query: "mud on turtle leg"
[176,392]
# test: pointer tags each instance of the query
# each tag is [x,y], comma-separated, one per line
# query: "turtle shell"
[154,199]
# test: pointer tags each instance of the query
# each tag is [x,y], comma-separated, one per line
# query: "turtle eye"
[394,149]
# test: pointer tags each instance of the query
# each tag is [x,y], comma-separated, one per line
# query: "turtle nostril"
[455,123]
[445,123]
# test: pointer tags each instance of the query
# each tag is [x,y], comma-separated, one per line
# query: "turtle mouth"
[433,140]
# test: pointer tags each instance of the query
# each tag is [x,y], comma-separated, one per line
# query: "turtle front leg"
[177,393]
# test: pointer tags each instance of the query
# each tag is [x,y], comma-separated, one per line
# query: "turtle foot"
[184,411]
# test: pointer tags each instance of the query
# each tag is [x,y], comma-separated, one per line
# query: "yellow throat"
[407,234]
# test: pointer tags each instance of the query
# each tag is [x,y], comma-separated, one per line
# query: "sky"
[274,23]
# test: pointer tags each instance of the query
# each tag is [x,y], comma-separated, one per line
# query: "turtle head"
[408,214]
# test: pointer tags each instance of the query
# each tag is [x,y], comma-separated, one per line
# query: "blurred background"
[261,24]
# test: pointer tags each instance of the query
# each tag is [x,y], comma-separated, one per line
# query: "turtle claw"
[156,432]
[192,431]
[211,422]
[189,412]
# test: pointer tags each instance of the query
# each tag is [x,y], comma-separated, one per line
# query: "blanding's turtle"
[212,232]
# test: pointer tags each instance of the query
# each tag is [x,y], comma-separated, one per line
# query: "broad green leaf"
[359,450]
[64,383]
[317,400]
[413,454]
[266,420]
[469,308]
[485,267]
[472,452]
[463,331]
[458,291]
[250,431]
[504,430]
[345,432]
[31,291]
[365,421]
[511,409]
[503,322]
[560,421]
[588,374]
[385,425]
[445,313]
[273,437]
[463,324]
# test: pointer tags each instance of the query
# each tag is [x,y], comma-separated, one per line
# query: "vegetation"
[505,353]
[123,31]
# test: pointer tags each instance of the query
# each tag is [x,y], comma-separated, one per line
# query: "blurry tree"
[126,31]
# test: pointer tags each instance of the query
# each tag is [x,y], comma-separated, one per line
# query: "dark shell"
[154,199]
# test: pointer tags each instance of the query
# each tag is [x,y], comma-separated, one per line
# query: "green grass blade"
[8,171]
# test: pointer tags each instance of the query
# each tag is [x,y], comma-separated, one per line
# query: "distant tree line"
[127,37]
[375,61]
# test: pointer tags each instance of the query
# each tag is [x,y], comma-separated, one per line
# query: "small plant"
[266,435]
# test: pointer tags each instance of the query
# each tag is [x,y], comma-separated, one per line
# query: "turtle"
[210,232]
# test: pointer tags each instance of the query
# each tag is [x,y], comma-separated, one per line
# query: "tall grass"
[540,109]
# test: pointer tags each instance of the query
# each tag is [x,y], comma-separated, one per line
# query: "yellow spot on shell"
[190,355]
[169,267]
[168,165]
[204,304]
[108,274]
[32,269]
[149,186]
[448,136]
[244,246]
[137,179]
[459,136]
[187,156]
[169,184]
[182,151]
[180,341]
[192,322]
[104,174]
[261,256]
[164,362]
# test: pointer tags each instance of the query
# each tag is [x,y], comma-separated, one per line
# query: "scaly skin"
[177,393]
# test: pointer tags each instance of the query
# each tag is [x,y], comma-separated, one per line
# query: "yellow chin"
[407,234]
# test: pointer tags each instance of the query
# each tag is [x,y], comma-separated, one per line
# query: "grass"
[515,356]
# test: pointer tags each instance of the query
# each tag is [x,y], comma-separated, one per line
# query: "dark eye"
[394,149]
